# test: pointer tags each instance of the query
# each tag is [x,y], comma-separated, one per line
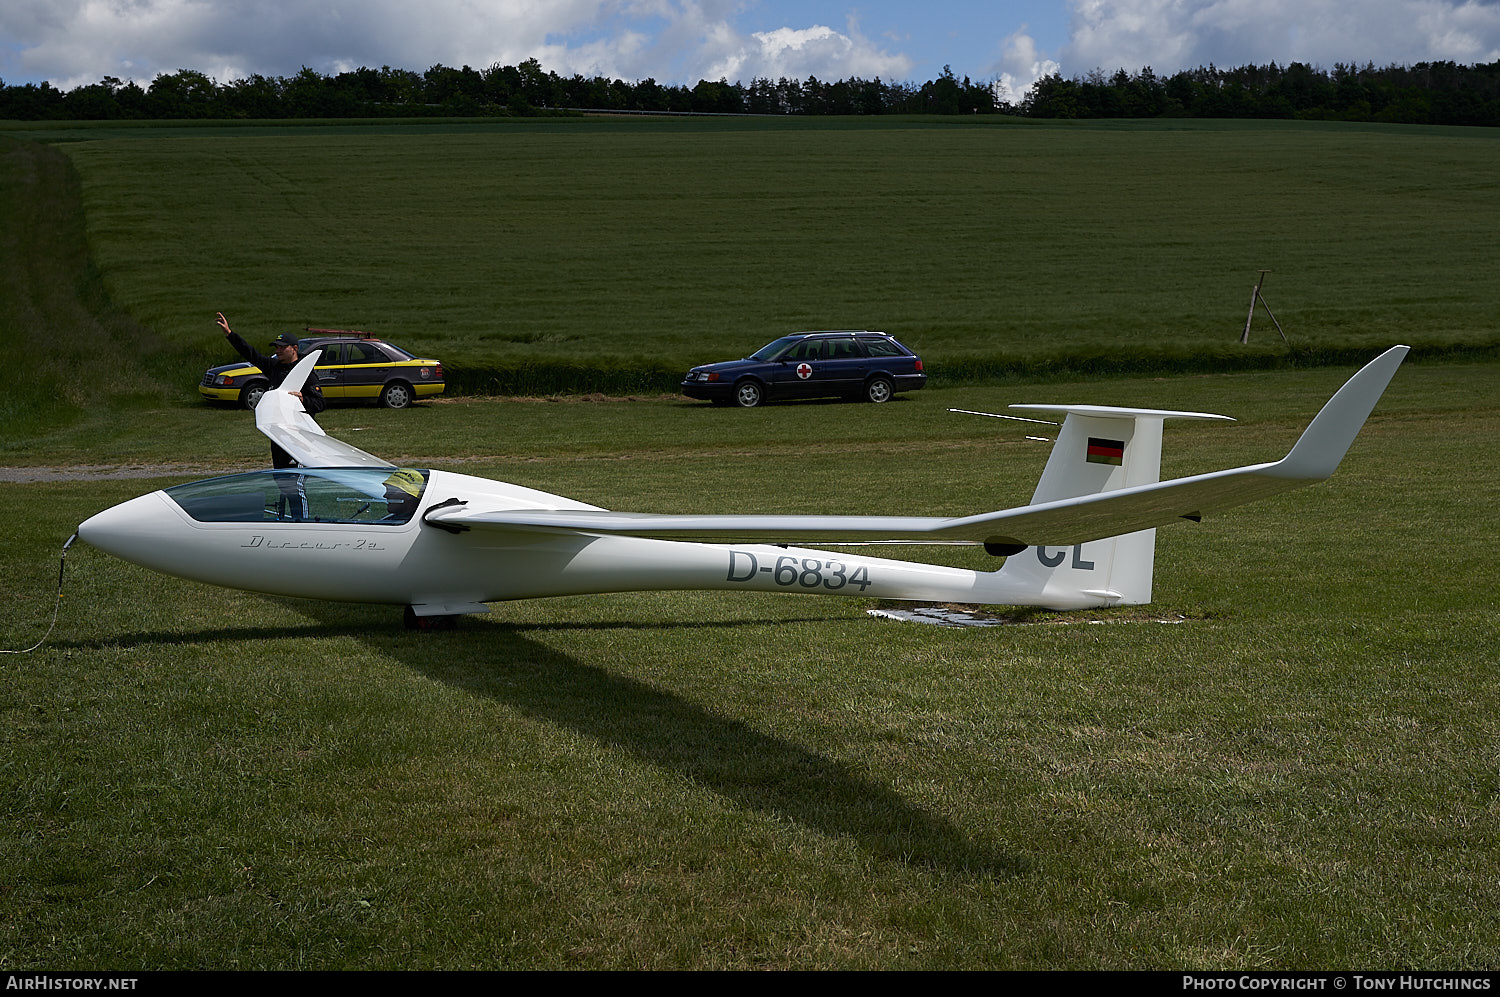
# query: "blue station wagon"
[868,365]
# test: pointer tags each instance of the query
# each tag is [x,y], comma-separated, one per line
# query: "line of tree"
[1427,93]
[499,90]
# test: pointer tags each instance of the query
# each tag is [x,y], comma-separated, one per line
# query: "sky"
[70,43]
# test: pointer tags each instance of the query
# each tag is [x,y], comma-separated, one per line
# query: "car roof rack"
[353,333]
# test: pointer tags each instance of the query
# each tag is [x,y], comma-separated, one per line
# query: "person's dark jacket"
[312,395]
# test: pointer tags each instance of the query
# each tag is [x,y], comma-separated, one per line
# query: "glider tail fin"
[1099,449]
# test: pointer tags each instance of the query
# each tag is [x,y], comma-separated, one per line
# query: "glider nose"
[130,530]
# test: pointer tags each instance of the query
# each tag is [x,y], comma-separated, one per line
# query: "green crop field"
[536,256]
[1287,761]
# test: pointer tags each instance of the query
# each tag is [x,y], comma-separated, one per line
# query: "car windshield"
[772,350]
[367,496]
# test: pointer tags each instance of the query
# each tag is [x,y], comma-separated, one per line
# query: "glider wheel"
[414,622]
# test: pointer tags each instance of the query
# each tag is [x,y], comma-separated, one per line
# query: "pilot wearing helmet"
[403,489]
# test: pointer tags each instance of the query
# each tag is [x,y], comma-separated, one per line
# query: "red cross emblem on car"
[804,370]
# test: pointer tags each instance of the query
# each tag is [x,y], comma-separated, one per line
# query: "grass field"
[535,256]
[1298,770]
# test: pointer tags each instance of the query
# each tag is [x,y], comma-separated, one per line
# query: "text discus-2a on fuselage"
[348,526]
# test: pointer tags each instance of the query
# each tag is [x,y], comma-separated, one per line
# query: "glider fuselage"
[254,545]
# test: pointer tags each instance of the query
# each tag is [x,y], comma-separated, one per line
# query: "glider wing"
[1315,456]
[282,417]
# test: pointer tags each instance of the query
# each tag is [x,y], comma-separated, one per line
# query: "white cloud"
[794,53]
[700,39]
[1021,65]
[1169,35]
[74,42]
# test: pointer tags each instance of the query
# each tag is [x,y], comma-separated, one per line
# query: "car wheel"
[397,394]
[879,389]
[748,394]
[251,393]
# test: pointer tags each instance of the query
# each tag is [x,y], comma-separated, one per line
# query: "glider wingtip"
[1327,438]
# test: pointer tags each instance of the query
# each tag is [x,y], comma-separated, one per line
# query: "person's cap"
[284,340]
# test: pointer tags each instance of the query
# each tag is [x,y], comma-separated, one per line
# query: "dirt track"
[99,472]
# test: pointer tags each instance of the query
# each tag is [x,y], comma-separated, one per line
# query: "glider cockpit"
[362,496]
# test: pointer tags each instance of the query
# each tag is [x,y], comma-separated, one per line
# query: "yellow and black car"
[354,367]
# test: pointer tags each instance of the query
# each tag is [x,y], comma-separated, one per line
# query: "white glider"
[348,526]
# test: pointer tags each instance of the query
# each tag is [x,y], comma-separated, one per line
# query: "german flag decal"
[1106,451]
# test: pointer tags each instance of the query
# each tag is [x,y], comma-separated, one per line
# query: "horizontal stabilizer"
[1115,412]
